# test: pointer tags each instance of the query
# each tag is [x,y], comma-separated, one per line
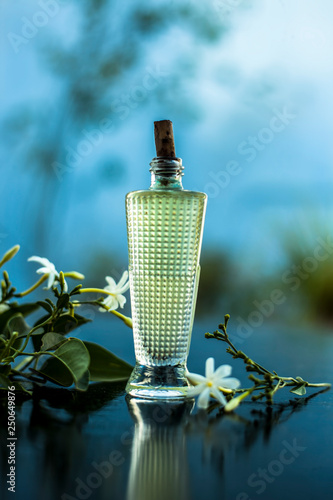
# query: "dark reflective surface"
[103,445]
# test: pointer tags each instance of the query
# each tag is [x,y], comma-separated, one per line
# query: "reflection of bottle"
[159,467]
[164,226]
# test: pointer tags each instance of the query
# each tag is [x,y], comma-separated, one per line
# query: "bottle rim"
[166,167]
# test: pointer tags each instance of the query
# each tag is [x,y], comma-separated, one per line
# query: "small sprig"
[53,356]
[267,383]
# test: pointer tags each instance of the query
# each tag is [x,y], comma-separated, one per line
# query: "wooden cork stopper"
[164,141]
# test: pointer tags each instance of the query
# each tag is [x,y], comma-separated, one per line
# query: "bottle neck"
[166,173]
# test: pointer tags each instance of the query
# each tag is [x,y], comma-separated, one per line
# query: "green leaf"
[105,366]
[24,309]
[81,320]
[55,371]
[65,323]
[45,305]
[37,335]
[83,383]
[68,365]
[51,340]
[300,390]
[63,301]
[16,323]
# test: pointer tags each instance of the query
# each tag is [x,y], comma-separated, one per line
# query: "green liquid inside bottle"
[164,226]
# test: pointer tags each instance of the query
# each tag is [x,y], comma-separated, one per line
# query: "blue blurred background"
[248,86]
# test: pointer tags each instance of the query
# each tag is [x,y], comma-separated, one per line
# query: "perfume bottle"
[164,229]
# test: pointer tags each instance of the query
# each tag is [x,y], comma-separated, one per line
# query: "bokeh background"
[248,86]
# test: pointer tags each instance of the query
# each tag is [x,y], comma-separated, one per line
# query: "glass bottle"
[164,229]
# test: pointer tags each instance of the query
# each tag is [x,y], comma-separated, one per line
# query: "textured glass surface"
[164,239]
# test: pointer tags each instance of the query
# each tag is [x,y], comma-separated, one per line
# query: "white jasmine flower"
[116,299]
[209,385]
[48,269]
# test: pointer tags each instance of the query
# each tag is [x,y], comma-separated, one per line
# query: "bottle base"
[158,382]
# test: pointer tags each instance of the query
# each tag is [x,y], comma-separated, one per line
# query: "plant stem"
[324,384]
[96,290]
[20,352]
[127,320]
[31,289]
[242,354]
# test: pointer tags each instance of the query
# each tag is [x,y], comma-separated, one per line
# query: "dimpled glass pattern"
[164,240]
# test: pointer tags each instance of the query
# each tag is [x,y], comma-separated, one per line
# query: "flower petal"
[40,260]
[204,398]
[195,378]
[228,383]
[50,281]
[195,390]
[124,288]
[107,300]
[223,371]
[210,364]
[121,299]
[123,279]
[111,283]
[43,270]
[218,395]
[112,303]
[48,267]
